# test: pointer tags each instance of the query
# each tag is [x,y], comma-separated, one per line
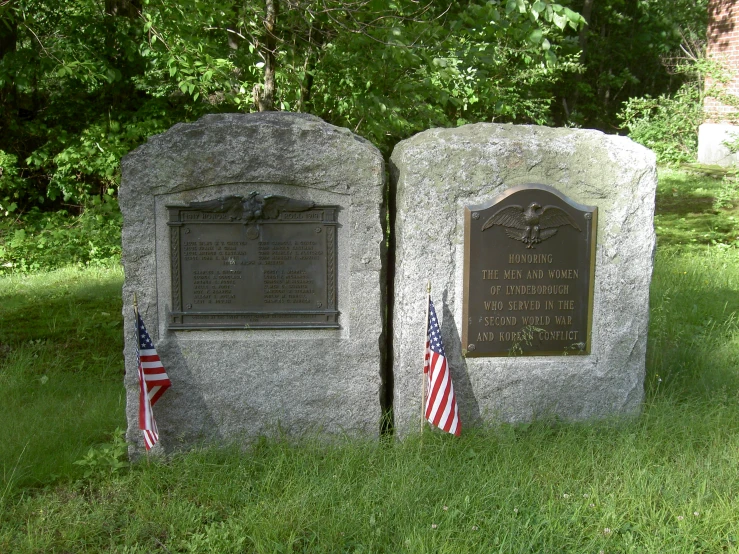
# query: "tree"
[264,97]
[624,49]
[91,79]
[389,71]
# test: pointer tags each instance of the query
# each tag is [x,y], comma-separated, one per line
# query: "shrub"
[47,240]
[11,184]
[667,124]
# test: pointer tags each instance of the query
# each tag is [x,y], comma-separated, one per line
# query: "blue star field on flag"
[144,338]
[435,332]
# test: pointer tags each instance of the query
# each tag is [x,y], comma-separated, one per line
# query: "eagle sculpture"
[531,225]
[254,207]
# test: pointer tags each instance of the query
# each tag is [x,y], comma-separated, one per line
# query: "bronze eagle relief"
[531,225]
[252,209]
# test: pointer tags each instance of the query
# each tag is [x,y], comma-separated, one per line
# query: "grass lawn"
[666,481]
[61,371]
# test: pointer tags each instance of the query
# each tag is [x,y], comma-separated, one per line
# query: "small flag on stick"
[441,405]
[153,381]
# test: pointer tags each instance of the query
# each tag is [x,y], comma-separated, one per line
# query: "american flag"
[153,381]
[441,405]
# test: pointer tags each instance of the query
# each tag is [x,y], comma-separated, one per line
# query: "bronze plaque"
[529,263]
[256,262]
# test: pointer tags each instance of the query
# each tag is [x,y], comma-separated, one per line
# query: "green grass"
[537,488]
[61,370]
[693,349]
[666,481]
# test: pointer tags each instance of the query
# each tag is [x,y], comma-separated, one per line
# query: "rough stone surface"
[440,171]
[233,385]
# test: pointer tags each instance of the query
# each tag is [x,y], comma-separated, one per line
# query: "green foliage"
[71,106]
[667,124]
[106,459]
[11,185]
[630,49]
[185,46]
[79,88]
[727,197]
[721,75]
[732,143]
[486,62]
[46,240]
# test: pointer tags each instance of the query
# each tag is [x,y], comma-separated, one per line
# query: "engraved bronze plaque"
[256,262]
[529,263]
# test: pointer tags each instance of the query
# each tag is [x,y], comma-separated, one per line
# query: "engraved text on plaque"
[253,262]
[529,268]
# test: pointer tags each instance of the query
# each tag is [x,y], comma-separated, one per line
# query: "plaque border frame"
[592,231]
[175,316]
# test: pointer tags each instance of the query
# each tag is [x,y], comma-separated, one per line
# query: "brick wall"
[723,46]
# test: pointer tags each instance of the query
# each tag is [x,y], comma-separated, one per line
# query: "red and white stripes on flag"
[153,381]
[441,405]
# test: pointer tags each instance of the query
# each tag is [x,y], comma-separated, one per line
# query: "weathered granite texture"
[232,385]
[440,171]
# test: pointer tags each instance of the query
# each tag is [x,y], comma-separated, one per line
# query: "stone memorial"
[255,246]
[538,244]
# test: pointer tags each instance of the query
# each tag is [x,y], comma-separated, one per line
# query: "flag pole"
[425,340]
[136,323]
[138,349]
[136,315]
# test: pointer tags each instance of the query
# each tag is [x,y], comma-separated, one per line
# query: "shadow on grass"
[669,204]
[65,312]
[694,210]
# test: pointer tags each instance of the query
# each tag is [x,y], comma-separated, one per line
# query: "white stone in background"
[439,172]
[711,149]
[233,385]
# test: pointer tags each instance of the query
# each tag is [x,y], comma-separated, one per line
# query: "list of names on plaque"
[528,274]
[235,272]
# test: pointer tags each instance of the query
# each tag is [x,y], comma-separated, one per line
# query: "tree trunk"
[123,8]
[306,85]
[8,37]
[587,10]
[8,41]
[266,98]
